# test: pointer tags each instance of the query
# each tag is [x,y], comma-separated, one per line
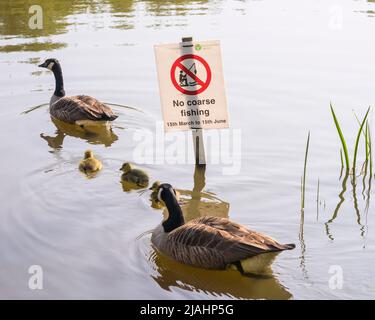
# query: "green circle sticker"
[198,47]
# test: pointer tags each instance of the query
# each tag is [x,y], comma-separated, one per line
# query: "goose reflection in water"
[93,134]
[129,186]
[222,283]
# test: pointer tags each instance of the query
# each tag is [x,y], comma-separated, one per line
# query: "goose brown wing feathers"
[240,233]
[75,108]
[214,242]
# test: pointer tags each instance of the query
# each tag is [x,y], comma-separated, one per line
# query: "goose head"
[89,154]
[166,194]
[162,190]
[126,167]
[55,67]
[50,64]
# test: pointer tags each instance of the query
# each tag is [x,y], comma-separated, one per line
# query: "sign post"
[192,89]
[197,134]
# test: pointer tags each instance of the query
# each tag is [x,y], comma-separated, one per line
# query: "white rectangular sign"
[191,85]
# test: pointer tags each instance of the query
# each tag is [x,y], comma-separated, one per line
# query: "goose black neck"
[175,218]
[59,88]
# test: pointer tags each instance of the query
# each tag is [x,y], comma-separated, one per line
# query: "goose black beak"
[43,65]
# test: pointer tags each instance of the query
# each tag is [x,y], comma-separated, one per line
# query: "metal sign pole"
[200,155]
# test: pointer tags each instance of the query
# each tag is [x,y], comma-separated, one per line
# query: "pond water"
[284,62]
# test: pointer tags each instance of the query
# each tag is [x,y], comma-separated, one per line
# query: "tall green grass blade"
[365,135]
[344,147]
[304,172]
[370,150]
[342,164]
[302,200]
[342,160]
[367,142]
[358,138]
[364,171]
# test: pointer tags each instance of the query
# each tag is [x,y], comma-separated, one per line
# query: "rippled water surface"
[284,61]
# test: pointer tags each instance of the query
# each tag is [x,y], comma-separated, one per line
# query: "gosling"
[134,176]
[90,164]
[154,197]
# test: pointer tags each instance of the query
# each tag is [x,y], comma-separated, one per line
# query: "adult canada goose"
[82,110]
[207,242]
[133,176]
[90,164]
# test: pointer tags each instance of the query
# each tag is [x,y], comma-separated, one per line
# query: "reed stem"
[357,140]
[304,172]
[339,131]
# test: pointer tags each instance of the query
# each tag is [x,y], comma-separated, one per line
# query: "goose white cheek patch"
[50,66]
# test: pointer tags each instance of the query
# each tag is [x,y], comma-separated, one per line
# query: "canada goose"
[90,164]
[133,176]
[82,110]
[207,242]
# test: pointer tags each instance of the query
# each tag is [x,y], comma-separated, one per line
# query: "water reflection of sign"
[184,74]
[191,85]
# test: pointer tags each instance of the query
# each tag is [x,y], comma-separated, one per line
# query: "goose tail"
[109,117]
[289,246]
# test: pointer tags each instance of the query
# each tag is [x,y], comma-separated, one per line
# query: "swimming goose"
[82,110]
[207,242]
[90,164]
[133,176]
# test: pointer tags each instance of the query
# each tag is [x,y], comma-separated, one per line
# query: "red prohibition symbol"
[187,72]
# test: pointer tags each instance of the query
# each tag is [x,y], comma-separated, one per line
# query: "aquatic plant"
[357,140]
[370,149]
[344,149]
[364,129]
[303,182]
[367,144]
[365,135]
[342,160]
[343,142]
